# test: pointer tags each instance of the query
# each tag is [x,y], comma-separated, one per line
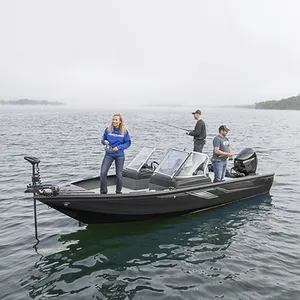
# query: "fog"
[131,53]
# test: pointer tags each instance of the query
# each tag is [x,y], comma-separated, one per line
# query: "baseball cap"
[224,127]
[198,111]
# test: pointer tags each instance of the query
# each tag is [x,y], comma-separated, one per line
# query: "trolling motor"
[36,187]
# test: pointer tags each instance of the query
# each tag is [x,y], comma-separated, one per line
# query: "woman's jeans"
[106,163]
[219,169]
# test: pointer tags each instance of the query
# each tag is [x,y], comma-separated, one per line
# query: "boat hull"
[93,208]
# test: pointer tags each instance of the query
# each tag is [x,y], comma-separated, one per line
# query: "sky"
[99,53]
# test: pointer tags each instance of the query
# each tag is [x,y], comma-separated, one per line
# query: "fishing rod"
[172,126]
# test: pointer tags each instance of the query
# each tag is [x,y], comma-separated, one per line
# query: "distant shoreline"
[291,103]
[251,106]
[30,102]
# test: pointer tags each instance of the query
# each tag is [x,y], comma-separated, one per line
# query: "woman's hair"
[122,127]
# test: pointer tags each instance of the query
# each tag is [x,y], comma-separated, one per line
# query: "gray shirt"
[222,143]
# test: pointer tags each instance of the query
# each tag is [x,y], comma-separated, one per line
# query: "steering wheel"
[145,166]
[154,165]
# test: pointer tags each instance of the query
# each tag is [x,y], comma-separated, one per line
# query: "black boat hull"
[96,209]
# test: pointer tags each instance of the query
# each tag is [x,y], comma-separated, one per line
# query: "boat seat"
[135,180]
[143,173]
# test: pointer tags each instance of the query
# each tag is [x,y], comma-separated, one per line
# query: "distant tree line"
[291,103]
[29,102]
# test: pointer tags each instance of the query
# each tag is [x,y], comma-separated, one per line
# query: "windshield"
[196,164]
[140,159]
[172,162]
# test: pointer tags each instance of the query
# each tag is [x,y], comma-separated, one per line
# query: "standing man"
[199,133]
[221,152]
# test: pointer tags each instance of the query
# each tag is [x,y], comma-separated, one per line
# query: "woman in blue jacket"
[116,139]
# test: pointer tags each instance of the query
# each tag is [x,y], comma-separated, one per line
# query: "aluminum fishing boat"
[156,184]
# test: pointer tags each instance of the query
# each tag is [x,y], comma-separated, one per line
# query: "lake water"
[247,250]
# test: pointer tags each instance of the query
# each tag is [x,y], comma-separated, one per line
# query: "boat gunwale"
[75,195]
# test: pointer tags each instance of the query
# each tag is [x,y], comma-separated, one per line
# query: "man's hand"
[106,142]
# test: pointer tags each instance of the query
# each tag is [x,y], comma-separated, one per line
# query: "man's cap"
[198,111]
[224,127]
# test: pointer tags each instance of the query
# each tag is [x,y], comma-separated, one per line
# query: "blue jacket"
[116,139]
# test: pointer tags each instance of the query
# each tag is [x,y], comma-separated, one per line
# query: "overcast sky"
[128,52]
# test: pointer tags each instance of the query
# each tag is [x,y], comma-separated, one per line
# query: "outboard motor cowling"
[245,163]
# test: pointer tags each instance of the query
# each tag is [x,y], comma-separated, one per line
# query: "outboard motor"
[245,163]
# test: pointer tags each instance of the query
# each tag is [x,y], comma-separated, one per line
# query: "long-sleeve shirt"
[199,133]
[116,139]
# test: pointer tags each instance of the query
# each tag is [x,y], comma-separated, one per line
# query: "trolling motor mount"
[36,187]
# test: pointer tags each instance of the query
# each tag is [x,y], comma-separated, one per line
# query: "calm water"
[247,250]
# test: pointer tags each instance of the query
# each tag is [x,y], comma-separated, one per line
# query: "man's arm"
[222,153]
[217,144]
[198,129]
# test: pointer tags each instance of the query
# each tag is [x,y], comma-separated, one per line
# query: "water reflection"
[122,260]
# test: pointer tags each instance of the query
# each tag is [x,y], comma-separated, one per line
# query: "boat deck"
[112,188]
